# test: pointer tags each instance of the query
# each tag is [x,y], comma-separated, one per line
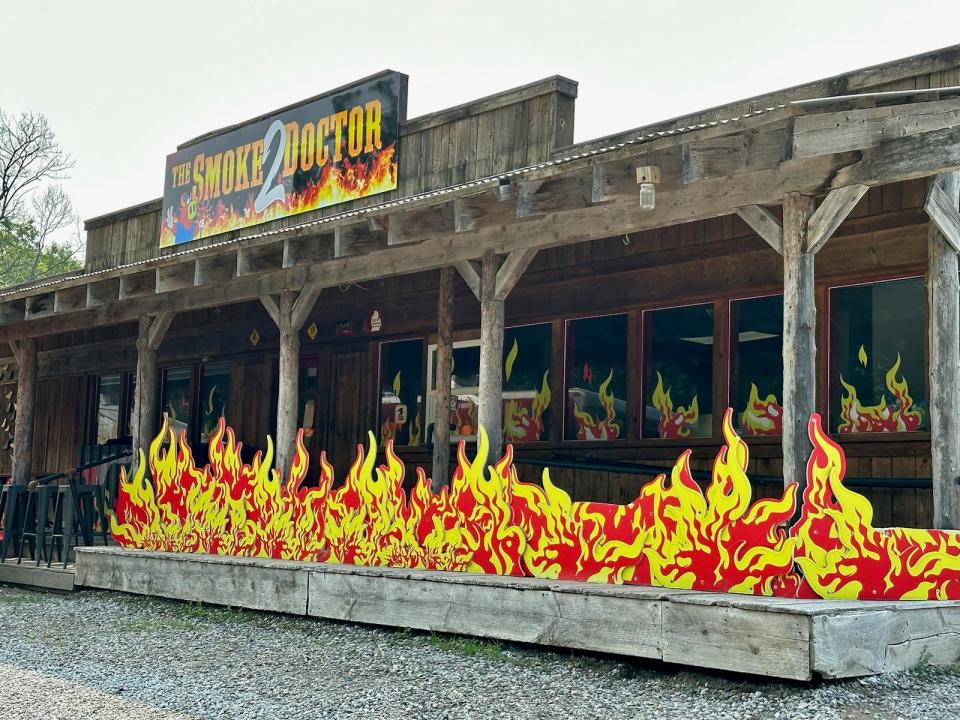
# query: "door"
[346,416]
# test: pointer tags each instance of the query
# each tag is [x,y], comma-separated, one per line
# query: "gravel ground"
[108,656]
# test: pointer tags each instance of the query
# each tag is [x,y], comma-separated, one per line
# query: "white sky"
[124,82]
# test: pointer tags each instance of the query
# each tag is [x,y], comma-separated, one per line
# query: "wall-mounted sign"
[374,322]
[331,149]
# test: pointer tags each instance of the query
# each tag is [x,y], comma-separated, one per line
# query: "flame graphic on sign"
[352,181]
[674,534]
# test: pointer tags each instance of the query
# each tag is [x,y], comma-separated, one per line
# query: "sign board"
[328,150]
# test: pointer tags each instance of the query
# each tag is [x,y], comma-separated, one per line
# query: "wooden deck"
[27,574]
[795,639]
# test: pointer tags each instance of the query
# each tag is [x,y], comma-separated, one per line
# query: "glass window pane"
[878,357]
[464,389]
[527,352]
[756,377]
[214,397]
[678,378]
[177,397]
[596,407]
[108,408]
[401,392]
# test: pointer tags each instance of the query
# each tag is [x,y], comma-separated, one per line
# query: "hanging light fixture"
[647,177]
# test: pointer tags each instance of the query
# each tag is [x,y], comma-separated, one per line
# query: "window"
[109,399]
[878,357]
[177,398]
[678,374]
[214,397]
[596,406]
[756,371]
[464,389]
[526,383]
[401,392]
[527,353]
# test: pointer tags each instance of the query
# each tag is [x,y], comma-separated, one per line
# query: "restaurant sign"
[327,150]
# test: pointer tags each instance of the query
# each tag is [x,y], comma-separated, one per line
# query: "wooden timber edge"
[28,575]
[775,637]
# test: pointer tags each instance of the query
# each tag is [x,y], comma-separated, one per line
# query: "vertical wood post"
[491,356]
[150,334]
[799,337]
[145,391]
[25,351]
[943,288]
[444,369]
[288,391]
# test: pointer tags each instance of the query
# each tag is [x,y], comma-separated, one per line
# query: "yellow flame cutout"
[511,358]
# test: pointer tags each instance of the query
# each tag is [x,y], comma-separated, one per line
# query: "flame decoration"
[673,535]
[900,415]
[762,417]
[596,428]
[673,424]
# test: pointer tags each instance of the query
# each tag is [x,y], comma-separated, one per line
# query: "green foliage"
[23,257]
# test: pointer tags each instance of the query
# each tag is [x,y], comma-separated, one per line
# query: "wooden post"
[149,336]
[289,391]
[289,314]
[799,337]
[491,355]
[943,290]
[444,369]
[25,352]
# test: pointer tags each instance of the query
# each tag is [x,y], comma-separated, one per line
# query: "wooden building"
[601,302]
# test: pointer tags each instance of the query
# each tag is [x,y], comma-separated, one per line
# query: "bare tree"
[32,210]
[29,156]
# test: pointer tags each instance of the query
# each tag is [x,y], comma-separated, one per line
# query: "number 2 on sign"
[270,193]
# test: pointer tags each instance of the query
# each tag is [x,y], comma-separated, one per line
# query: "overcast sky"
[123,82]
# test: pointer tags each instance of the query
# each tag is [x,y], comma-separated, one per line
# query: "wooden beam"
[832,132]
[799,337]
[832,211]
[439,476]
[273,310]
[510,271]
[470,272]
[303,305]
[943,214]
[765,224]
[158,328]
[943,289]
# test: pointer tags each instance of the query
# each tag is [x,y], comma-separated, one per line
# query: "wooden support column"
[290,314]
[802,233]
[444,370]
[491,282]
[943,287]
[799,337]
[289,386]
[491,356]
[25,352]
[149,336]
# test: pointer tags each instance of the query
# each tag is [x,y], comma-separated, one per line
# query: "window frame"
[828,337]
[630,414]
[720,336]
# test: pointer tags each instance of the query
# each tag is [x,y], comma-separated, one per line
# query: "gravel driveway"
[105,656]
